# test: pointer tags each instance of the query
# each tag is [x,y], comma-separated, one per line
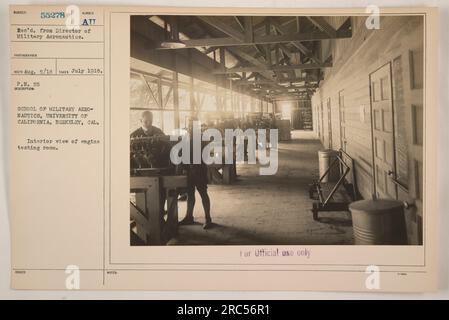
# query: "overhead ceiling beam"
[223,27]
[281,46]
[308,53]
[260,50]
[256,82]
[248,27]
[286,57]
[323,25]
[266,39]
[290,95]
[252,83]
[275,68]
[146,35]
[302,48]
[292,91]
[245,56]
[245,23]
[239,22]
[300,98]
[210,49]
[289,98]
[261,25]
[285,50]
[254,61]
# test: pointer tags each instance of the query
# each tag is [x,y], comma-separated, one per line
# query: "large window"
[153,88]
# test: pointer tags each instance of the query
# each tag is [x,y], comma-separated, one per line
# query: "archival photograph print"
[276,130]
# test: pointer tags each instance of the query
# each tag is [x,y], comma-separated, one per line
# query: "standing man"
[147,129]
[196,178]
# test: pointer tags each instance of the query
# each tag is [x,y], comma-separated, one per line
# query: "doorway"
[382,132]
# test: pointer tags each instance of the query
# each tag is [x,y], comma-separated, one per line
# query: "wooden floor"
[268,210]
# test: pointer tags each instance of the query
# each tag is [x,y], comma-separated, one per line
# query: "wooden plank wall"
[353,60]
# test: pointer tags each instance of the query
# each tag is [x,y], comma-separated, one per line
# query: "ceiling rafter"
[262,53]
[223,27]
[302,48]
[323,25]
[270,39]
[302,66]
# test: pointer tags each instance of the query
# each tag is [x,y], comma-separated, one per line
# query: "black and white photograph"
[332,105]
[261,151]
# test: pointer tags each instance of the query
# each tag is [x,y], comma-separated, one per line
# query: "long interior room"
[346,101]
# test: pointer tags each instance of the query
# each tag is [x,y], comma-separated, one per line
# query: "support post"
[176,99]
[175,88]
[153,208]
[160,101]
[191,85]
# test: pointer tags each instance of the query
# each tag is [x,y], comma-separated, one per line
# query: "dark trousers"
[198,180]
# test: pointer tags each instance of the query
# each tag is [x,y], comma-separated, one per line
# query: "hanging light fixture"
[234,76]
[173,44]
[173,41]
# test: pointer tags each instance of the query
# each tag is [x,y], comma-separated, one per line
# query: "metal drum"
[325,159]
[378,222]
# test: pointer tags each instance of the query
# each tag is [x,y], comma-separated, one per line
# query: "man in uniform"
[147,129]
[196,179]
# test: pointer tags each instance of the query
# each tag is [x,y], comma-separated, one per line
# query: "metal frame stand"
[316,192]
